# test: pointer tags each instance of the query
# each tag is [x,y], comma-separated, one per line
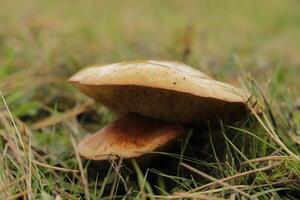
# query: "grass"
[254,44]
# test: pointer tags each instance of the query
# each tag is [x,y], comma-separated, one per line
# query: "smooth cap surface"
[162,90]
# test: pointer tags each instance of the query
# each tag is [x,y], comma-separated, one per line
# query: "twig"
[84,180]
[267,158]
[29,167]
[55,119]
[117,179]
[54,168]
[217,180]
[195,195]
[239,175]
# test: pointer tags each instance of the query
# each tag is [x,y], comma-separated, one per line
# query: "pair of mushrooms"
[154,97]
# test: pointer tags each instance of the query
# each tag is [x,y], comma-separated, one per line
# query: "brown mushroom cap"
[128,137]
[162,90]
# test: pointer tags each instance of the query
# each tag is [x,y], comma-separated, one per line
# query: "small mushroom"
[167,91]
[128,137]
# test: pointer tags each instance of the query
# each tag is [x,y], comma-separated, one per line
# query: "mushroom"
[128,137]
[167,91]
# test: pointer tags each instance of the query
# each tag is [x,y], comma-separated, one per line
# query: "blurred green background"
[211,35]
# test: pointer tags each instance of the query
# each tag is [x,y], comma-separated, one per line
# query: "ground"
[253,45]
